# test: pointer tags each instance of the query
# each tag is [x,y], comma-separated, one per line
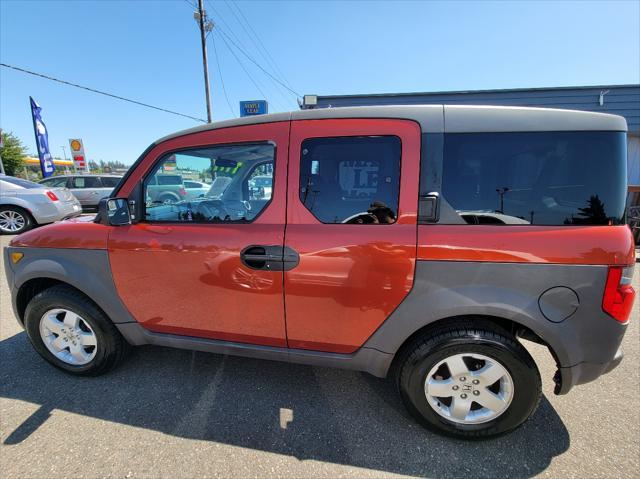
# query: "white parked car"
[25,204]
[195,189]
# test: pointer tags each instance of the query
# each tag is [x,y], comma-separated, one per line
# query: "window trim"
[397,212]
[154,165]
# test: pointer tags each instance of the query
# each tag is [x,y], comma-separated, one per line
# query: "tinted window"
[20,182]
[169,179]
[109,181]
[353,180]
[231,197]
[86,182]
[55,182]
[192,184]
[540,178]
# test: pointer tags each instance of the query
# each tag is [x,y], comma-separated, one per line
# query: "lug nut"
[476,393]
[463,396]
[455,388]
[475,381]
[463,379]
[65,340]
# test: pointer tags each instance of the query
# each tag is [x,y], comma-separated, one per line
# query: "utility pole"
[205,27]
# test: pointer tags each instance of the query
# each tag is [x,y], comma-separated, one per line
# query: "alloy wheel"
[68,337]
[469,388]
[11,221]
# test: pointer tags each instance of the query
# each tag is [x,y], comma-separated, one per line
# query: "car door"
[88,190]
[351,217]
[208,267]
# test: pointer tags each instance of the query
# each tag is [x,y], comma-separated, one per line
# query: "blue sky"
[149,51]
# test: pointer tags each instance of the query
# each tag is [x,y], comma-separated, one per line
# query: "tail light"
[182,192]
[618,293]
[52,196]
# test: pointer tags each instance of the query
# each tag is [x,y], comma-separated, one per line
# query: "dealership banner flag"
[42,140]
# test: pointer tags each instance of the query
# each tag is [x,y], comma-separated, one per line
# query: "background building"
[623,100]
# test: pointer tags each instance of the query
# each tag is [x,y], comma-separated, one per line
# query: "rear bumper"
[582,373]
[60,211]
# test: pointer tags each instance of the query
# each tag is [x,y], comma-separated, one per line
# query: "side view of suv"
[418,242]
[89,189]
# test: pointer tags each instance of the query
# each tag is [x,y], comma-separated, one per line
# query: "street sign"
[255,107]
[77,153]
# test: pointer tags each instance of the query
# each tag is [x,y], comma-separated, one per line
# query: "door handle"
[269,258]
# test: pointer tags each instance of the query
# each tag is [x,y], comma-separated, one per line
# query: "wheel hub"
[68,337]
[11,221]
[469,388]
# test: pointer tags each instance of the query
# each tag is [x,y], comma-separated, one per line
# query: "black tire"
[468,337]
[22,213]
[111,346]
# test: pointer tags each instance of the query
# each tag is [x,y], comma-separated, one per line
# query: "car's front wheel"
[14,220]
[72,333]
[469,380]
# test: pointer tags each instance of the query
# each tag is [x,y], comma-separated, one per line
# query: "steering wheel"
[212,208]
[364,217]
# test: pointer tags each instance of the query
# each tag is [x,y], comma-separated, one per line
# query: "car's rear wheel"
[72,333]
[14,220]
[168,199]
[469,380]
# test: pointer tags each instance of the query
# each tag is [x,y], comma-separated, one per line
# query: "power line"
[64,82]
[225,24]
[257,46]
[268,57]
[240,46]
[242,66]
[257,64]
[215,51]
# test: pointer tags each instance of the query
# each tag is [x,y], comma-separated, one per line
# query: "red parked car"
[417,241]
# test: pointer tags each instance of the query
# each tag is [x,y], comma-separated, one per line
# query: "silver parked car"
[89,189]
[25,204]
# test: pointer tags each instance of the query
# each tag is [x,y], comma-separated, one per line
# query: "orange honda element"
[420,242]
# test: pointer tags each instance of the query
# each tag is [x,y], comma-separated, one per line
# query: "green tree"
[12,153]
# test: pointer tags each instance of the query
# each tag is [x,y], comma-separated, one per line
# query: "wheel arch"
[87,271]
[517,329]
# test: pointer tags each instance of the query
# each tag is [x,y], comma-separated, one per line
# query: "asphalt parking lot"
[171,413]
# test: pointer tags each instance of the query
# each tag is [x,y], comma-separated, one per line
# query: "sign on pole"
[77,153]
[255,107]
[42,140]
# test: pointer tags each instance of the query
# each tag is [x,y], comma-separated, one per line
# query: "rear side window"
[86,182]
[109,181]
[539,178]
[57,182]
[169,179]
[19,182]
[351,180]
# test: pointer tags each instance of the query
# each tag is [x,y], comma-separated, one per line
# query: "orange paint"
[606,245]
[188,278]
[350,277]
[76,233]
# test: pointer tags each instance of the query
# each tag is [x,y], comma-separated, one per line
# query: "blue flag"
[42,140]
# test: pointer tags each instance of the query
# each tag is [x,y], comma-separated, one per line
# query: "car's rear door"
[208,267]
[351,217]
[88,190]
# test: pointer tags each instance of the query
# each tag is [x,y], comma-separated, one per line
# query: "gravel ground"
[171,413]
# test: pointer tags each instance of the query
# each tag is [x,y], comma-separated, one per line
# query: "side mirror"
[114,212]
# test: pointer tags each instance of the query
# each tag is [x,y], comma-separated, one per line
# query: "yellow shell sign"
[76,145]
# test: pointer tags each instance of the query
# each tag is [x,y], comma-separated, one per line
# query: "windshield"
[19,182]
